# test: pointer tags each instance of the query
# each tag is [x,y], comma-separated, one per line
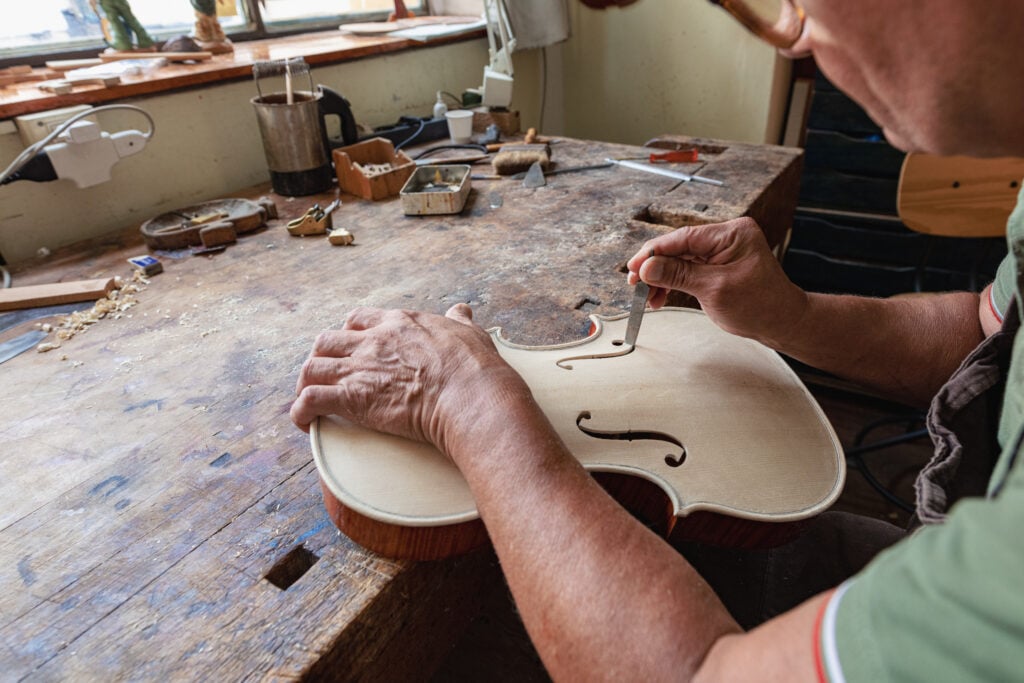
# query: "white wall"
[668,66]
[207,145]
[626,75]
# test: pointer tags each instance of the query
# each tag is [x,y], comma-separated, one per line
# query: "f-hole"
[672,459]
[626,349]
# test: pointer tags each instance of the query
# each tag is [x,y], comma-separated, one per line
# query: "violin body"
[690,429]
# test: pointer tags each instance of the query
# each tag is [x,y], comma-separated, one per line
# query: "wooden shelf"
[327,47]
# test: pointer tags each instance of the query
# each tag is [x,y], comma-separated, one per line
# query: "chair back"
[958,196]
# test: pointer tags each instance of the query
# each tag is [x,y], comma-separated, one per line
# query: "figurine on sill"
[123,31]
[208,32]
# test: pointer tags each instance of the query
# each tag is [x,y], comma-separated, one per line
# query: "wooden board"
[958,196]
[57,293]
[169,56]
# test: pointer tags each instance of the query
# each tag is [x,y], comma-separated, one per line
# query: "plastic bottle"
[440,108]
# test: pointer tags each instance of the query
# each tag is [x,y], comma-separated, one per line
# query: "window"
[63,27]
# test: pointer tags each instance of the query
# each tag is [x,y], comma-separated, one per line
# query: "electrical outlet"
[34,127]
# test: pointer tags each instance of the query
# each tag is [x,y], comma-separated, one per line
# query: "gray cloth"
[538,23]
[535,23]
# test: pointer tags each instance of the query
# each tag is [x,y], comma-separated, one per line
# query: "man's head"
[940,76]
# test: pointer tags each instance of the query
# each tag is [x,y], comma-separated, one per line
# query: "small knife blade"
[24,342]
[636,312]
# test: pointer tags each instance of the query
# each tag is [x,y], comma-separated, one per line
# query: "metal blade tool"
[10,349]
[636,312]
[648,168]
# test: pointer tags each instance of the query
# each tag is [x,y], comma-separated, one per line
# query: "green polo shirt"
[947,603]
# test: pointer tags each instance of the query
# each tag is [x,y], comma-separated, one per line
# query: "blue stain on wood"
[111,484]
[122,504]
[222,460]
[312,532]
[28,577]
[158,402]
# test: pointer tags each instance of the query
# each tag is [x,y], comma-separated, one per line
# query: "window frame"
[257,31]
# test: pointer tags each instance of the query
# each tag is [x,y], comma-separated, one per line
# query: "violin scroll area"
[672,459]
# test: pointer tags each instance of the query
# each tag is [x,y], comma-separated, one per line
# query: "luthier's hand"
[418,375]
[729,268]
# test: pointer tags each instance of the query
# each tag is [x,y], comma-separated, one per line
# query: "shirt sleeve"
[1003,287]
[945,604]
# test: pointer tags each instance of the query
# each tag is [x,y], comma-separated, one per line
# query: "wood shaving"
[113,305]
[374,170]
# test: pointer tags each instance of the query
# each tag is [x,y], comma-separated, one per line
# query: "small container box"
[372,169]
[436,190]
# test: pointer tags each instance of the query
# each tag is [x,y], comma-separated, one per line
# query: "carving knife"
[636,312]
[10,349]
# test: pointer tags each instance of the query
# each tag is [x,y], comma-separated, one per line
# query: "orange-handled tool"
[676,156]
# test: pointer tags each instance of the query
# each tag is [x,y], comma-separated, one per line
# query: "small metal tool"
[636,312]
[10,349]
[647,168]
[534,176]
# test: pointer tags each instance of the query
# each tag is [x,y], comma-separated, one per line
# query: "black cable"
[854,455]
[39,169]
[403,143]
[454,98]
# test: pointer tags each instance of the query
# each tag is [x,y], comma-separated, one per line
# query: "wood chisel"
[636,312]
[10,349]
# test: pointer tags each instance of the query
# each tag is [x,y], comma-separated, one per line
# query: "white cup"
[460,125]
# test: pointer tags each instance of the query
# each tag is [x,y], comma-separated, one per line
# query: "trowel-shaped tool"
[534,176]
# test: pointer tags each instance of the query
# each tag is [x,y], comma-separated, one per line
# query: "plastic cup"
[460,125]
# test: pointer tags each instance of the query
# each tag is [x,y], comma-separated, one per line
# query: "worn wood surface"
[162,517]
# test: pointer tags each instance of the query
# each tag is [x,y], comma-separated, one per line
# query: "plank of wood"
[56,293]
[169,56]
[69,64]
[59,87]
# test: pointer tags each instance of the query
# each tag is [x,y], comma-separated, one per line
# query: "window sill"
[328,47]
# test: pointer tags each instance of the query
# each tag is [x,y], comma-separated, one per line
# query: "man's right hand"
[731,271]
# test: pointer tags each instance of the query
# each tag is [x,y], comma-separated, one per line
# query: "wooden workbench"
[162,516]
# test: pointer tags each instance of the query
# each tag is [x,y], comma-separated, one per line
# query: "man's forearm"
[905,347]
[602,597]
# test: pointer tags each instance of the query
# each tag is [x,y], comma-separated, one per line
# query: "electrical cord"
[855,459]
[456,99]
[543,86]
[34,164]
[403,143]
[26,156]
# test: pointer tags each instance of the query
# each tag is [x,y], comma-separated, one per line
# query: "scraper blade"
[636,312]
[10,349]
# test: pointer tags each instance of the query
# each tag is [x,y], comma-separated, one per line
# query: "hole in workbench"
[291,567]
